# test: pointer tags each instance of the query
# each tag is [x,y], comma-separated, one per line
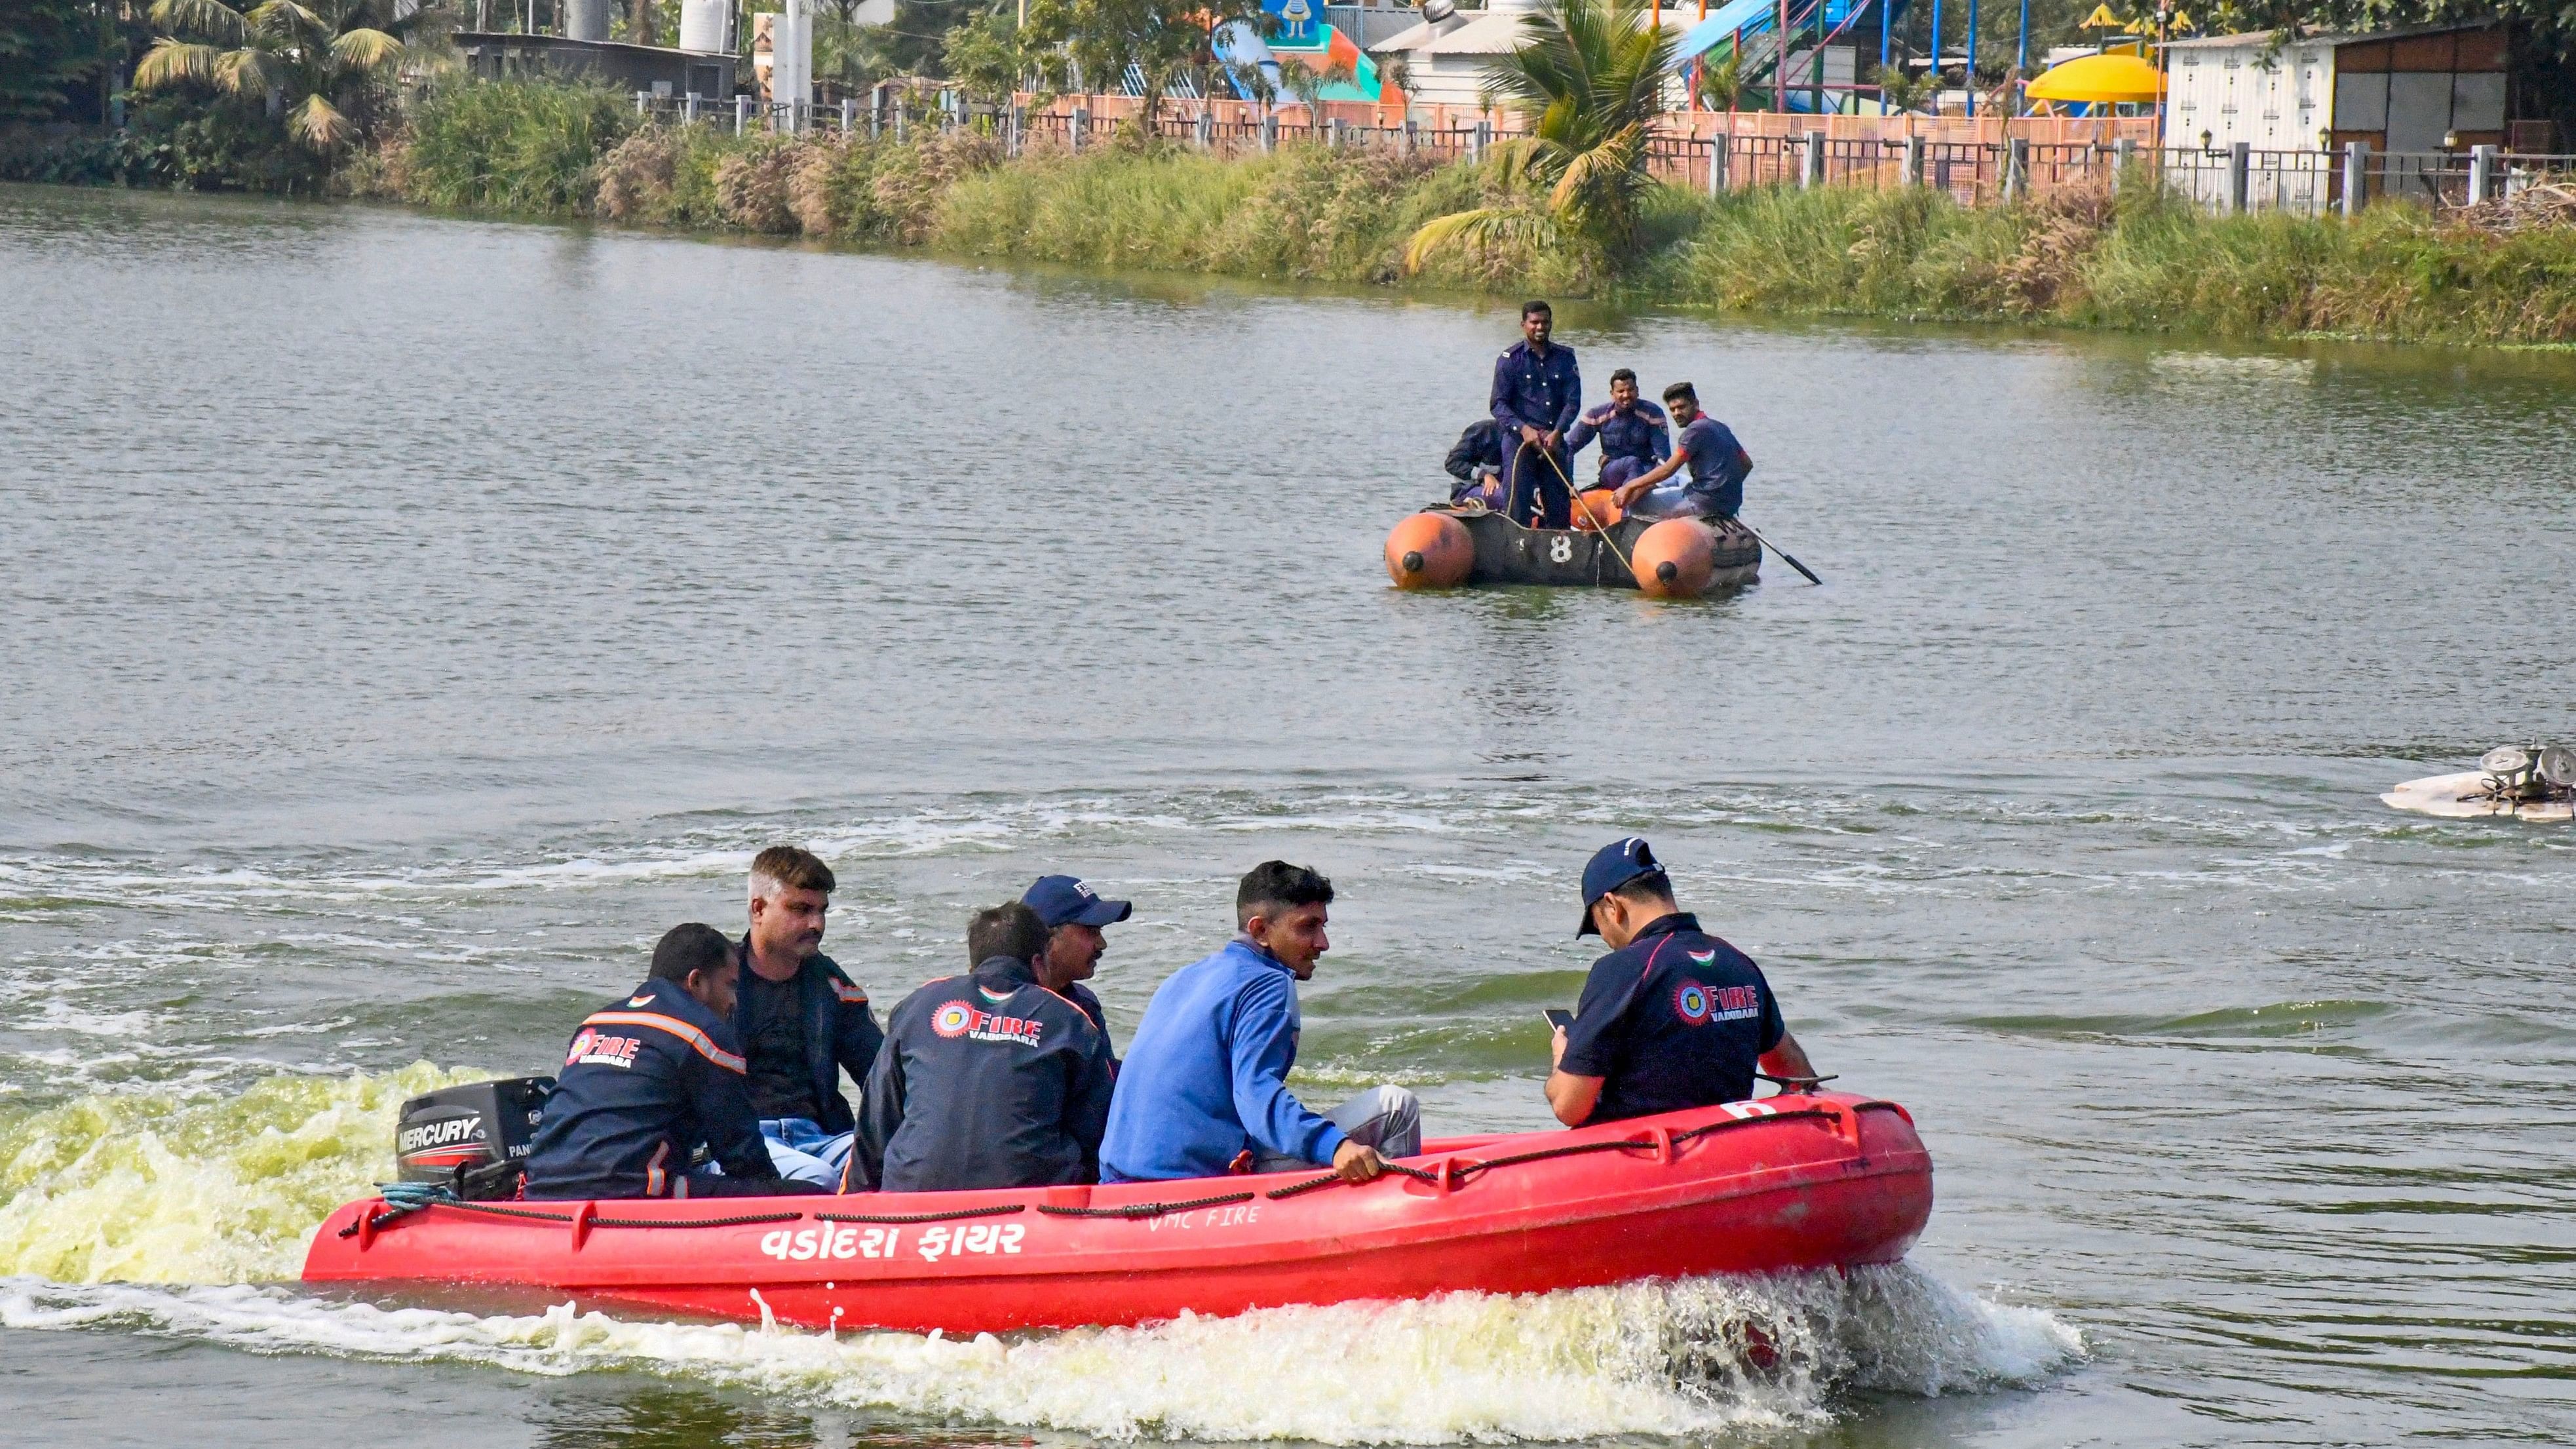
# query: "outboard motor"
[472,1139]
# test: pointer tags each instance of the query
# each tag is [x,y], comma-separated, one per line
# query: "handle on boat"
[1797,1086]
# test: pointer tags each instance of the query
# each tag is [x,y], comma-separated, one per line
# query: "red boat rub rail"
[1811,1182]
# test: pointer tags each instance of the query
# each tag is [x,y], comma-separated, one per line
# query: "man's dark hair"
[1536,308]
[1275,886]
[1010,929]
[794,867]
[686,950]
[1681,390]
[1627,375]
[1652,888]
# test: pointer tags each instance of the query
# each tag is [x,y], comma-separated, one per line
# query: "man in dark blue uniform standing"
[648,1082]
[988,1079]
[1673,1017]
[1537,397]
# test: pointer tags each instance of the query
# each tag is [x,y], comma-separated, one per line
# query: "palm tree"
[1308,85]
[326,58]
[1589,76]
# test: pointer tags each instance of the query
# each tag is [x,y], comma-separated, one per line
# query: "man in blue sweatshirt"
[1204,1088]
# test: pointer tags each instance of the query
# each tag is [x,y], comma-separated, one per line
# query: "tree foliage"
[1588,77]
[46,47]
[321,67]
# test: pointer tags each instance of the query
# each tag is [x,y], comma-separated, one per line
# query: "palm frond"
[173,62]
[1480,229]
[319,124]
[248,72]
[366,49]
[291,23]
[211,18]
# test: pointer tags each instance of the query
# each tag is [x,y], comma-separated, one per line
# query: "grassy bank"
[2140,262]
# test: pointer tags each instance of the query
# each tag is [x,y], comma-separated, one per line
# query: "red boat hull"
[1787,1183]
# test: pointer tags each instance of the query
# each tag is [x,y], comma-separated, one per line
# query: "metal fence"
[2226,179]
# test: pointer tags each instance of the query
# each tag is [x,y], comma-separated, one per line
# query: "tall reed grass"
[2143,260]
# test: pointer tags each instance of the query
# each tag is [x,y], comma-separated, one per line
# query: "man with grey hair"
[802,1021]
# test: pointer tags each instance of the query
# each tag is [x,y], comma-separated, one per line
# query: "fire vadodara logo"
[953,1019]
[1692,1002]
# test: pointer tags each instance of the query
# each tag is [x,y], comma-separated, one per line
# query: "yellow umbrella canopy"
[2100,78]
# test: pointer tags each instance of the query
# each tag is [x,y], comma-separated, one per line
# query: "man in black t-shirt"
[1673,1017]
[802,1021]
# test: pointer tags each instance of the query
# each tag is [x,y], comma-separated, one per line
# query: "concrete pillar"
[1811,166]
[1269,134]
[2240,175]
[2016,168]
[689,109]
[1206,128]
[1076,129]
[849,115]
[1012,125]
[1333,132]
[1913,172]
[2482,173]
[1483,138]
[1717,163]
[876,110]
[2124,154]
[1412,135]
[741,114]
[643,102]
[2356,178]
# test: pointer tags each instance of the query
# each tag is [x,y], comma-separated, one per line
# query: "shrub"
[516,146]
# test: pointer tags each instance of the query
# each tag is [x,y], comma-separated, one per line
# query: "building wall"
[2227,91]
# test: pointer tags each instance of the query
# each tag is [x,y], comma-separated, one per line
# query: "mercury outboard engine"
[473,1139]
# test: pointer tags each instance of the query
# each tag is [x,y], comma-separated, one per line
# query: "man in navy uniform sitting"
[987,1079]
[649,1082]
[1631,430]
[1673,1017]
[1074,914]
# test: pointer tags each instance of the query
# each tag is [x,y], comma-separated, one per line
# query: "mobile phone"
[1558,1018]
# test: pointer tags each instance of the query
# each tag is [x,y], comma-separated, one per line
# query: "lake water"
[406,619]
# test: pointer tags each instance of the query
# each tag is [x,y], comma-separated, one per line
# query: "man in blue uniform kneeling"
[986,1079]
[650,1081]
[1204,1089]
[1631,430]
[1673,1017]
[1718,467]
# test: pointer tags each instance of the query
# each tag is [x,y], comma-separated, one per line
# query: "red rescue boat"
[1797,1182]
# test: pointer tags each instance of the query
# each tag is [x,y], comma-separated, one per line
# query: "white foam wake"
[1667,1360]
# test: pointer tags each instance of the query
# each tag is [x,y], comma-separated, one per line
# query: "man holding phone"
[1672,1018]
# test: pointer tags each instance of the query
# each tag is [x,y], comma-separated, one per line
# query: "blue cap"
[1611,867]
[1061,900]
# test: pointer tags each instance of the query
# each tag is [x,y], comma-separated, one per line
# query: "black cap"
[1611,867]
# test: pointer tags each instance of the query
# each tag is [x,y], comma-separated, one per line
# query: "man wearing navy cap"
[1673,1017]
[1074,913]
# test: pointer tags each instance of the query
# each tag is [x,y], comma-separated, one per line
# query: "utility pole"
[1972,57]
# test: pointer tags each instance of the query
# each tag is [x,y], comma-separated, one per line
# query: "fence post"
[2240,175]
[1269,133]
[1913,161]
[1412,135]
[1011,125]
[1334,133]
[641,97]
[1075,133]
[2124,154]
[689,109]
[2016,168]
[1717,163]
[1483,138]
[1811,167]
[1206,128]
[849,116]
[741,113]
[2482,171]
[2356,178]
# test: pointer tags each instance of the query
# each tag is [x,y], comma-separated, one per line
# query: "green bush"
[528,147]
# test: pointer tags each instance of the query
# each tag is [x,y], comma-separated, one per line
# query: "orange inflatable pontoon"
[1794,1182]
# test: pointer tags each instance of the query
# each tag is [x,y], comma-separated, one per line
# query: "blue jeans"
[803,1152]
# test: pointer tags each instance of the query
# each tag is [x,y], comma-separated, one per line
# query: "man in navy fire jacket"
[987,1079]
[1537,396]
[1673,1017]
[650,1081]
[801,1019]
